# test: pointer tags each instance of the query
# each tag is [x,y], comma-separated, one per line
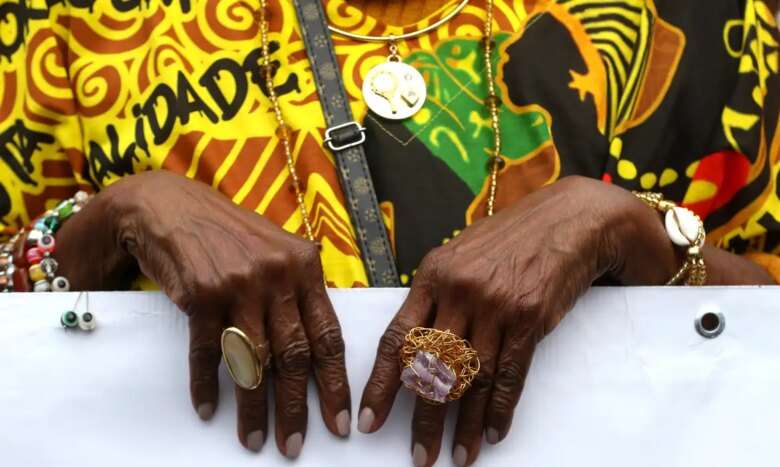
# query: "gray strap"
[344,137]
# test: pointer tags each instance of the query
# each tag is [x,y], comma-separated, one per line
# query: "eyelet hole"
[710,324]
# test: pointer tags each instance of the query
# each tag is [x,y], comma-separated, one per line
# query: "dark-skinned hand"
[504,283]
[223,266]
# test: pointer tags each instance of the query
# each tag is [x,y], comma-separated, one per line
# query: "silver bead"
[33,237]
[87,321]
[49,266]
[60,284]
[42,286]
[80,197]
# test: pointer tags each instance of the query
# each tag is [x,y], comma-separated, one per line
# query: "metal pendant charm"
[394,90]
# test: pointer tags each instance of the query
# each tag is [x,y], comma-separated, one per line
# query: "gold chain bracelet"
[685,229]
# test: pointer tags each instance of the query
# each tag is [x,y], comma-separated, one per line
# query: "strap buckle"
[329,136]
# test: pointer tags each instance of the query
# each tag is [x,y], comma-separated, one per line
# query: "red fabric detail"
[728,170]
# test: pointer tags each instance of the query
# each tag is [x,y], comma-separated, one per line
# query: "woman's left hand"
[504,283]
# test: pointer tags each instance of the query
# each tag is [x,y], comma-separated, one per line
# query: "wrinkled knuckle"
[309,255]
[461,282]
[295,360]
[509,377]
[430,263]
[204,293]
[330,344]
[391,341]
[204,359]
[426,426]
[254,410]
[274,265]
[482,383]
[502,404]
[295,410]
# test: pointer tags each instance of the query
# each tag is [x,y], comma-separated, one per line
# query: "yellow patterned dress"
[675,96]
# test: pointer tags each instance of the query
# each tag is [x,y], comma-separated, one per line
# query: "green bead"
[69,319]
[65,210]
[52,222]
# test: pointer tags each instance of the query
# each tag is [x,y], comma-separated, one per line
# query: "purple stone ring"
[438,365]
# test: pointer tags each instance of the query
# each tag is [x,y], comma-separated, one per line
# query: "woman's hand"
[223,266]
[504,283]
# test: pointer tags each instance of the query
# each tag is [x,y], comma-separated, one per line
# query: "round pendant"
[394,90]
[682,226]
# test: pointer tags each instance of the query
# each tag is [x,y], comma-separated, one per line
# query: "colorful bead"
[46,244]
[69,319]
[36,273]
[34,256]
[41,226]
[60,284]
[87,321]
[65,209]
[52,222]
[42,286]
[33,237]
[49,266]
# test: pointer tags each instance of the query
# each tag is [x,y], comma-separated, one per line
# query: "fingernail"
[366,420]
[459,456]
[342,423]
[294,445]
[206,411]
[254,441]
[491,435]
[419,455]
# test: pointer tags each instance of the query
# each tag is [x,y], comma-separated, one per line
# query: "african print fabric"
[663,95]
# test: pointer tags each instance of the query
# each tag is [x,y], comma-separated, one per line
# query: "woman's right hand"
[223,266]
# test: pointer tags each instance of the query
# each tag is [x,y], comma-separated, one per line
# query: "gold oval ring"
[244,359]
[438,365]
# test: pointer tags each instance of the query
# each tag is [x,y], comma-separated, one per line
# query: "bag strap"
[345,137]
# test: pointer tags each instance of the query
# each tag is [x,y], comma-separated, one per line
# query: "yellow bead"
[36,273]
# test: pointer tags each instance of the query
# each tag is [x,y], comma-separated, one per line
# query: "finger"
[253,415]
[385,380]
[327,346]
[292,362]
[205,354]
[471,416]
[511,371]
[428,419]
[252,404]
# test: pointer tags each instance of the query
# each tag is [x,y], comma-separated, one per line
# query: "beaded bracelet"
[28,259]
[685,229]
[7,267]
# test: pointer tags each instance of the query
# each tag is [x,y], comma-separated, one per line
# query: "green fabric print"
[454,123]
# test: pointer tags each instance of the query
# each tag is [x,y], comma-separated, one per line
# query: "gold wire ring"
[438,365]
[244,360]
[400,37]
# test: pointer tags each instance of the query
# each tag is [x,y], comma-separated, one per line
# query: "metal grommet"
[710,324]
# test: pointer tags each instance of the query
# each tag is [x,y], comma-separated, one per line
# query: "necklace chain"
[409,35]
[283,130]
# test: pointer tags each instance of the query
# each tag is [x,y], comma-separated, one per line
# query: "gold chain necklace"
[492,101]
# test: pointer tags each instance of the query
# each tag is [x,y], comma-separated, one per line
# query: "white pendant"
[394,90]
[684,229]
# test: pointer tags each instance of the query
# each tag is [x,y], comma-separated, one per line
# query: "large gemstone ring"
[245,361]
[438,365]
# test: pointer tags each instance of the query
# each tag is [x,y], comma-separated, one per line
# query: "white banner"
[624,381]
